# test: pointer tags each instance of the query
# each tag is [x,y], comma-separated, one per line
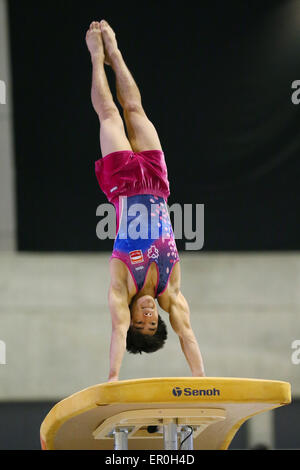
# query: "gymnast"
[132,172]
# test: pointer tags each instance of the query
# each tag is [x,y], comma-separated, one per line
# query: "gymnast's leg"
[112,133]
[141,132]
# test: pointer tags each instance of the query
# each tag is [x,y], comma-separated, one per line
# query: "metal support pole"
[121,439]
[188,444]
[170,436]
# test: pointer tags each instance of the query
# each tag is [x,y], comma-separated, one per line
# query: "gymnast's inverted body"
[132,172]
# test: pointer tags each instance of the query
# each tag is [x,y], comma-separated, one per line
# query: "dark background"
[216,82]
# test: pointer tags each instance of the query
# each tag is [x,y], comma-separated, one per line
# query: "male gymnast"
[131,172]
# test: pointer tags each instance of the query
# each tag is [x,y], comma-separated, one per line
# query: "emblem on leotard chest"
[136,256]
[153,252]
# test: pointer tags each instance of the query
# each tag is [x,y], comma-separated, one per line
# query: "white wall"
[55,321]
[7,192]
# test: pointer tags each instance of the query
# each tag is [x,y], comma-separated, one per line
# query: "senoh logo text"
[210,392]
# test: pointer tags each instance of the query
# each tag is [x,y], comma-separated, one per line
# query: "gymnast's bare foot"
[110,42]
[94,40]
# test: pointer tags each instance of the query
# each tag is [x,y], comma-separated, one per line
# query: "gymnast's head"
[147,331]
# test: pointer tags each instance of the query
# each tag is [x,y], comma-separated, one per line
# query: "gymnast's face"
[144,315]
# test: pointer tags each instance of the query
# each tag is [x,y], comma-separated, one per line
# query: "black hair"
[136,342]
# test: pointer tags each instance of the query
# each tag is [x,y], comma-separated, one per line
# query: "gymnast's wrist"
[198,373]
[113,378]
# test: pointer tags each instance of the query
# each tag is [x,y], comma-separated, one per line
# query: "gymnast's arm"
[179,314]
[120,316]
